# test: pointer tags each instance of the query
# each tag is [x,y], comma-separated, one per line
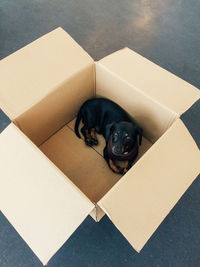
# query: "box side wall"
[153,117]
[57,108]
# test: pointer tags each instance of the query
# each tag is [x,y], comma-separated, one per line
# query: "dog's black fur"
[109,119]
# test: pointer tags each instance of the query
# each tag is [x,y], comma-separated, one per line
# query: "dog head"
[123,138]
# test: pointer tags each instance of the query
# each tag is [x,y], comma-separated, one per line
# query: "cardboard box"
[50,181]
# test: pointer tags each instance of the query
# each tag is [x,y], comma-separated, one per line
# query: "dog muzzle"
[126,156]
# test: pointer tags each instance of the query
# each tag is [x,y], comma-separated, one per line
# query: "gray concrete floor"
[166,32]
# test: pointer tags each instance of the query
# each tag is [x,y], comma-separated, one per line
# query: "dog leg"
[110,163]
[113,167]
[126,166]
[94,137]
[87,136]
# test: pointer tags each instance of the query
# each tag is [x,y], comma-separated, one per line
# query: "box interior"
[85,166]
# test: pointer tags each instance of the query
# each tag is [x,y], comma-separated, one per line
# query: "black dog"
[120,132]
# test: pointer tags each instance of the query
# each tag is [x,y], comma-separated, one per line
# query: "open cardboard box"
[50,181]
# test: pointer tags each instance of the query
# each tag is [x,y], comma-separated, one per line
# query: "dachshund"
[122,135]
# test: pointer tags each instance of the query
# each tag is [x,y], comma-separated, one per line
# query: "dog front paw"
[113,167]
[94,142]
[120,170]
[88,142]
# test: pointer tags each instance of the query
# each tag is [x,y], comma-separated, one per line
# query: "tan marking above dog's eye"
[126,134]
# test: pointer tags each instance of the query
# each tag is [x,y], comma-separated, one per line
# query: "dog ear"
[140,133]
[108,131]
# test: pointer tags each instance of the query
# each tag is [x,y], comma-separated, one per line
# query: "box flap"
[140,201]
[156,82]
[34,71]
[40,202]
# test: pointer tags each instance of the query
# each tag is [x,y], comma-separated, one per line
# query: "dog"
[103,116]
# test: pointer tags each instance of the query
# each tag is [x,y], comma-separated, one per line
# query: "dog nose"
[119,149]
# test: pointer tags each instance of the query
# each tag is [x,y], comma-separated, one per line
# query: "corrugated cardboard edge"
[97,213]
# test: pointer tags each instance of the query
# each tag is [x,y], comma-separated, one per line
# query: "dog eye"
[115,137]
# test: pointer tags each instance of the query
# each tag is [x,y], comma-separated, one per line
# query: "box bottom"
[83,165]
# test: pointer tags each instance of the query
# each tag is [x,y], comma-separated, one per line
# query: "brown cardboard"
[85,166]
[82,164]
[43,86]
[153,117]
[43,205]
[140,201]
[97,213]
[57,108]
[154,81]
[34,81]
